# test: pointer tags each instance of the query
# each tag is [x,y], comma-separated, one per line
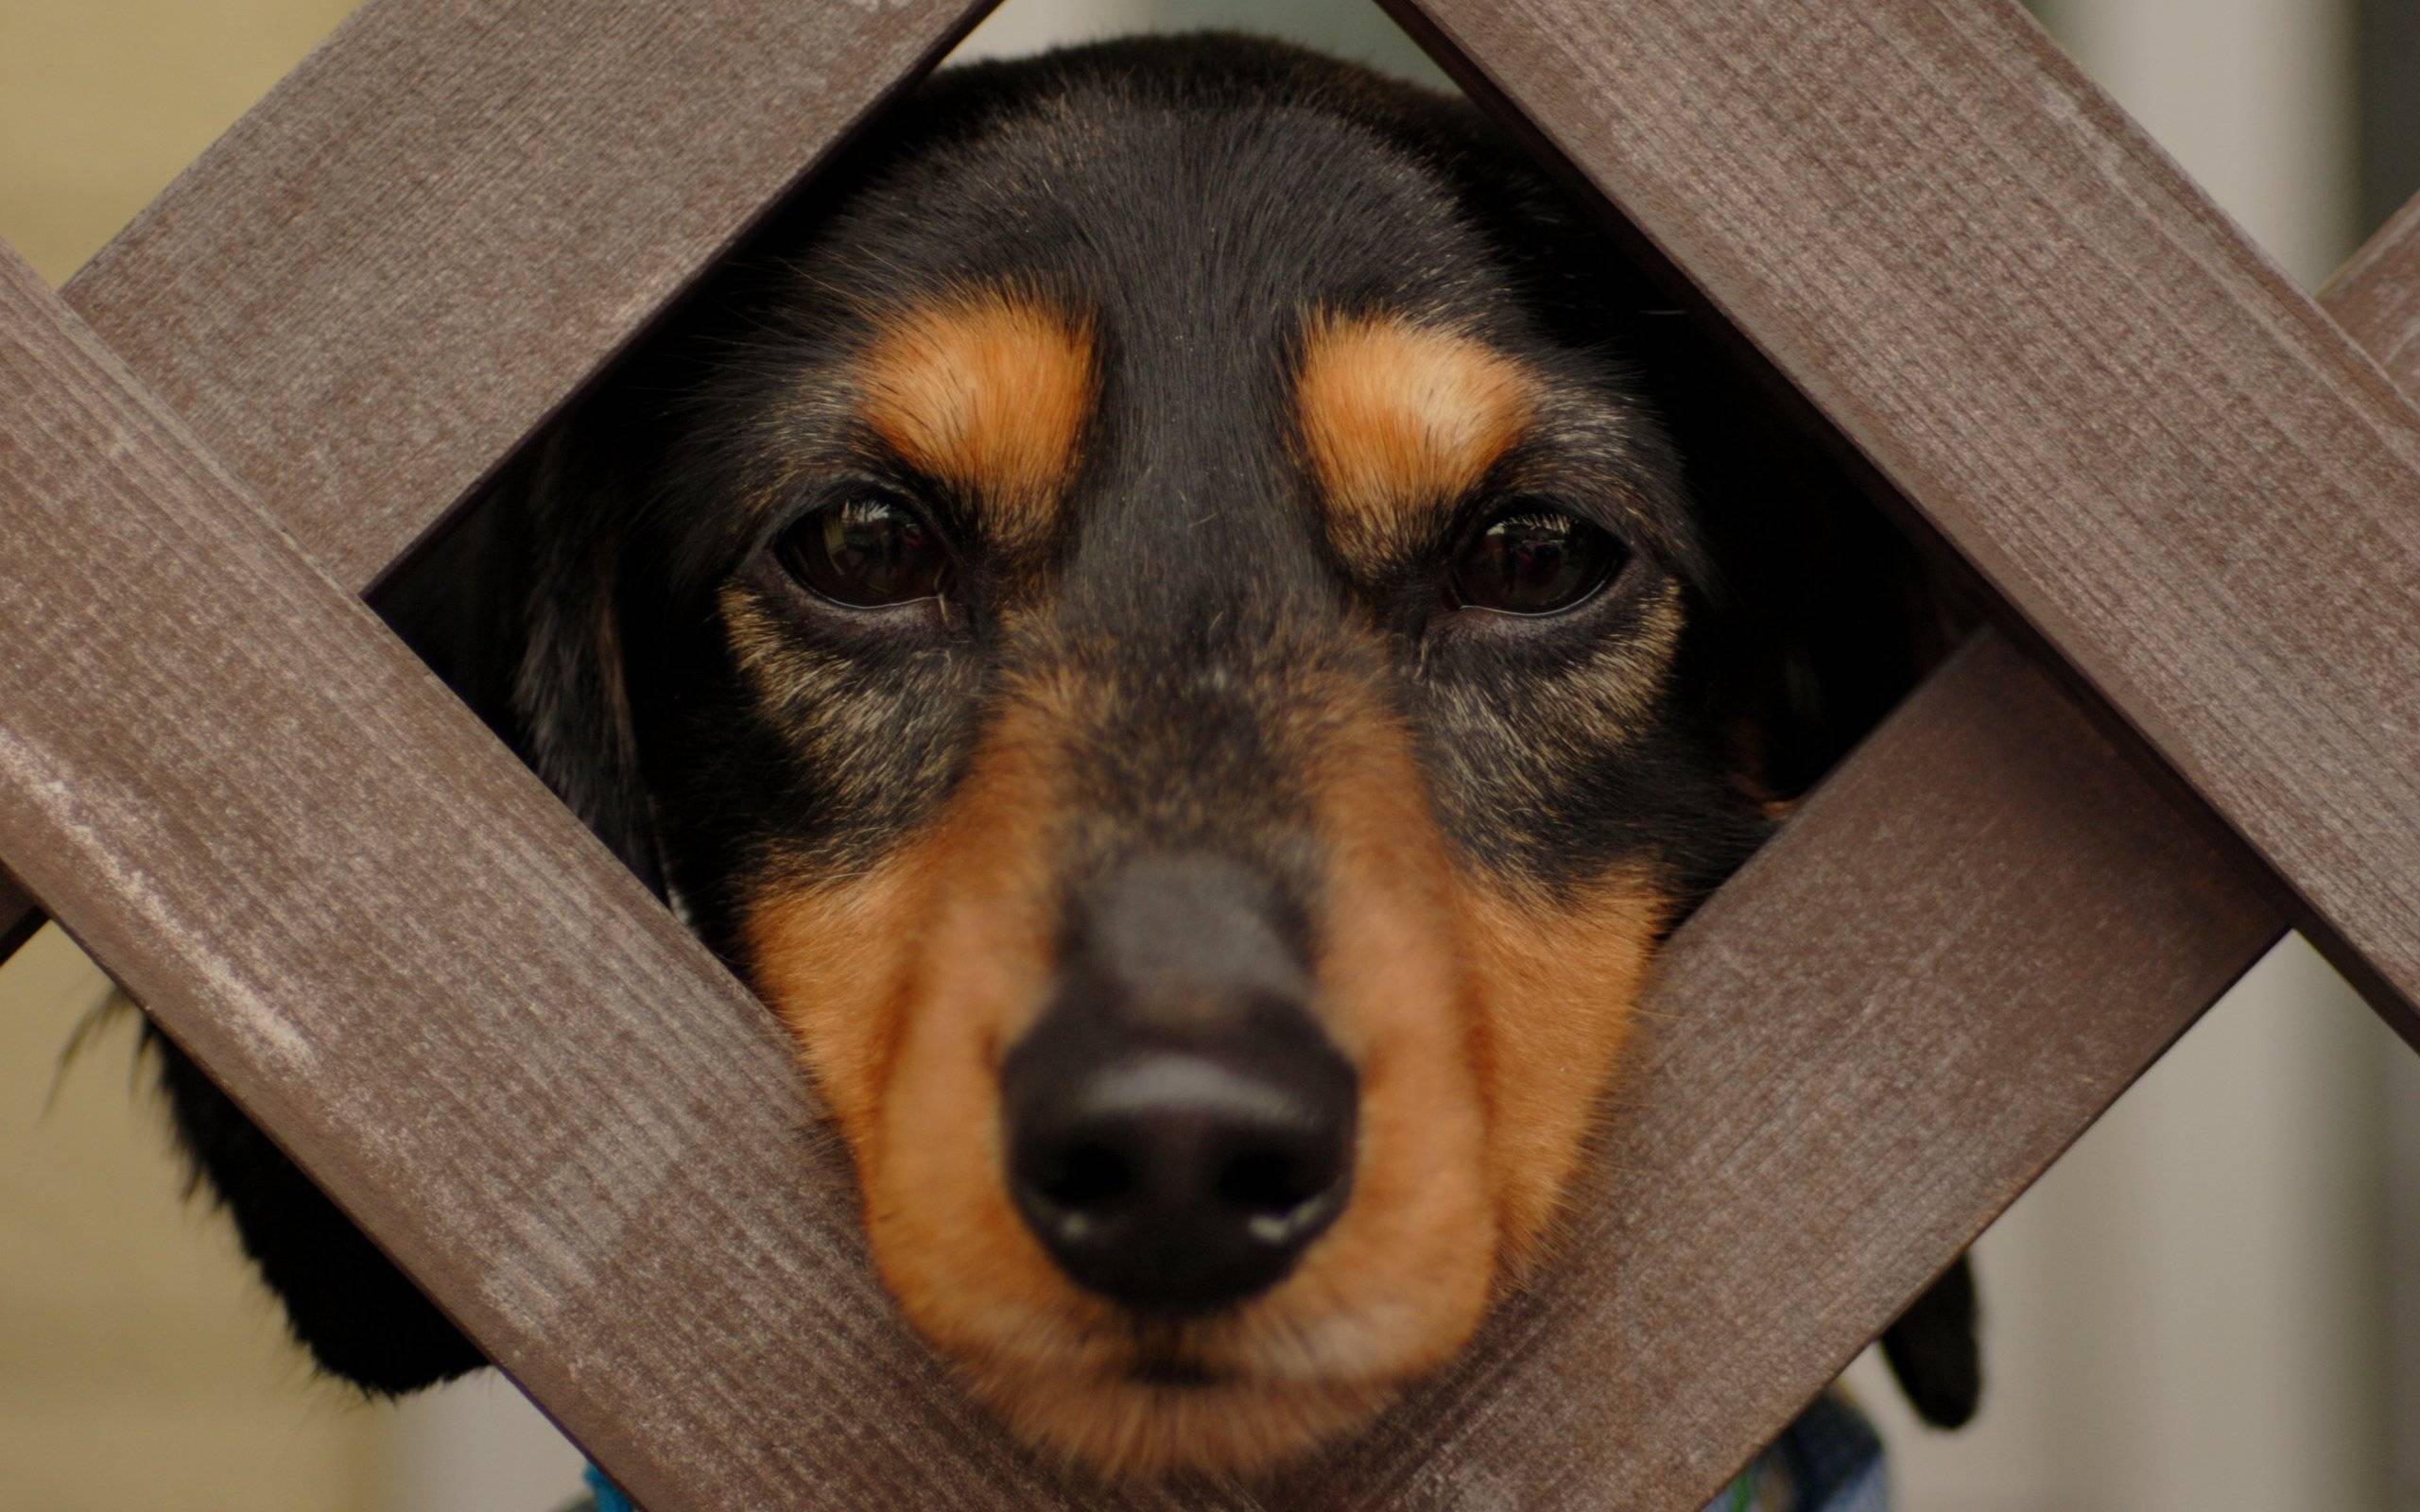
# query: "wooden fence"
[2194,497]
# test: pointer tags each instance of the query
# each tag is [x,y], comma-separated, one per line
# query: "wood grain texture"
[444,220]
[456,1010]
[2168,461]
[421,242]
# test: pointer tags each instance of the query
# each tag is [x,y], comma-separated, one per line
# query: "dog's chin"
[1146,1423]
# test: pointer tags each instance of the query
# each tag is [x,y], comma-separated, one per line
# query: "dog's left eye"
[1532,560]
[867,552]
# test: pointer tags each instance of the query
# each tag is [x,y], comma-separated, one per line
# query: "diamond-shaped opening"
[1812,616]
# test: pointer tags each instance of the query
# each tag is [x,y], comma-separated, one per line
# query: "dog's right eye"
[868,551]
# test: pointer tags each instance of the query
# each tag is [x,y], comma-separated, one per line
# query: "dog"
[1189,620]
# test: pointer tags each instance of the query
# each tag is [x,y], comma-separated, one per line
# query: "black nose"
[1179,1127]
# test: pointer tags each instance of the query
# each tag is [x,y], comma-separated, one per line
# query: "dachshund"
[1189,619]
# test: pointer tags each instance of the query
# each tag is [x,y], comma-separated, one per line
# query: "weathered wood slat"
[417,245]
[446,218]
[456,1009]
[2164,458]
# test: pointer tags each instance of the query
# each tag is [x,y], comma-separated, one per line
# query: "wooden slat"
[408,254]
[391,271]
[456,1010]
[2167,460]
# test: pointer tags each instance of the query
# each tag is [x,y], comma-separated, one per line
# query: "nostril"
[1082,1176]
[1270,1183]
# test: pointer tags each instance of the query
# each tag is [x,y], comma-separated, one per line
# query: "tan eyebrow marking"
[1397,416]
[989,390]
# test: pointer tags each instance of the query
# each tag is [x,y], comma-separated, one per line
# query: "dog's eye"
[1533,561]
[867,552]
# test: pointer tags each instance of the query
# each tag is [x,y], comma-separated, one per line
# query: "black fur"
[1196,196]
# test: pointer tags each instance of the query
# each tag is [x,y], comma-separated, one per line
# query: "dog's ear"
[569,706]
[1936,1352]
[1825,616]
[517,609]
[1831,618]
[346,1303]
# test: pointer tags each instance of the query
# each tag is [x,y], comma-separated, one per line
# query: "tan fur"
[1554,982]
[1397,417]
[1481,1026]
[989,390]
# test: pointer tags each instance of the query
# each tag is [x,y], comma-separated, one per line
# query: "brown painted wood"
[424,239]
[463,1016]
[416,247]
[2169,462]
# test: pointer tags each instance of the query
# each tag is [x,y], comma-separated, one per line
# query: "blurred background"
[2212,1303]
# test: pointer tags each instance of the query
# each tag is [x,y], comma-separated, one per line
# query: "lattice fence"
[2195,497]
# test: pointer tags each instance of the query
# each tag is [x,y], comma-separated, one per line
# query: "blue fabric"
[1829,1460]
[609,1496]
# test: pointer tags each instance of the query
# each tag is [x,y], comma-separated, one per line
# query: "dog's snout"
[1179,1127]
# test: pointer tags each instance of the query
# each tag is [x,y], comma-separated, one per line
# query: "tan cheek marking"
[948,1242]
[833,960]
[1492,1017]
[953,922]
[989,390]
[1557,982]
[1397,416]
[1405,1276]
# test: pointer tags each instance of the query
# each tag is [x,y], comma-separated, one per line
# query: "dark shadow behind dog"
[1824,616]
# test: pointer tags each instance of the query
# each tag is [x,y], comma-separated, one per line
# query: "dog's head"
[1162,623]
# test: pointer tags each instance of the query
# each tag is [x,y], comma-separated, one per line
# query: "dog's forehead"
[1197,225]
[1093,307]
[1153,291]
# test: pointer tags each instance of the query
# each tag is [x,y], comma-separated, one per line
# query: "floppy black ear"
[1827,615]
[559,515]
[515,610]
[1936,1352]
[360,1317]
